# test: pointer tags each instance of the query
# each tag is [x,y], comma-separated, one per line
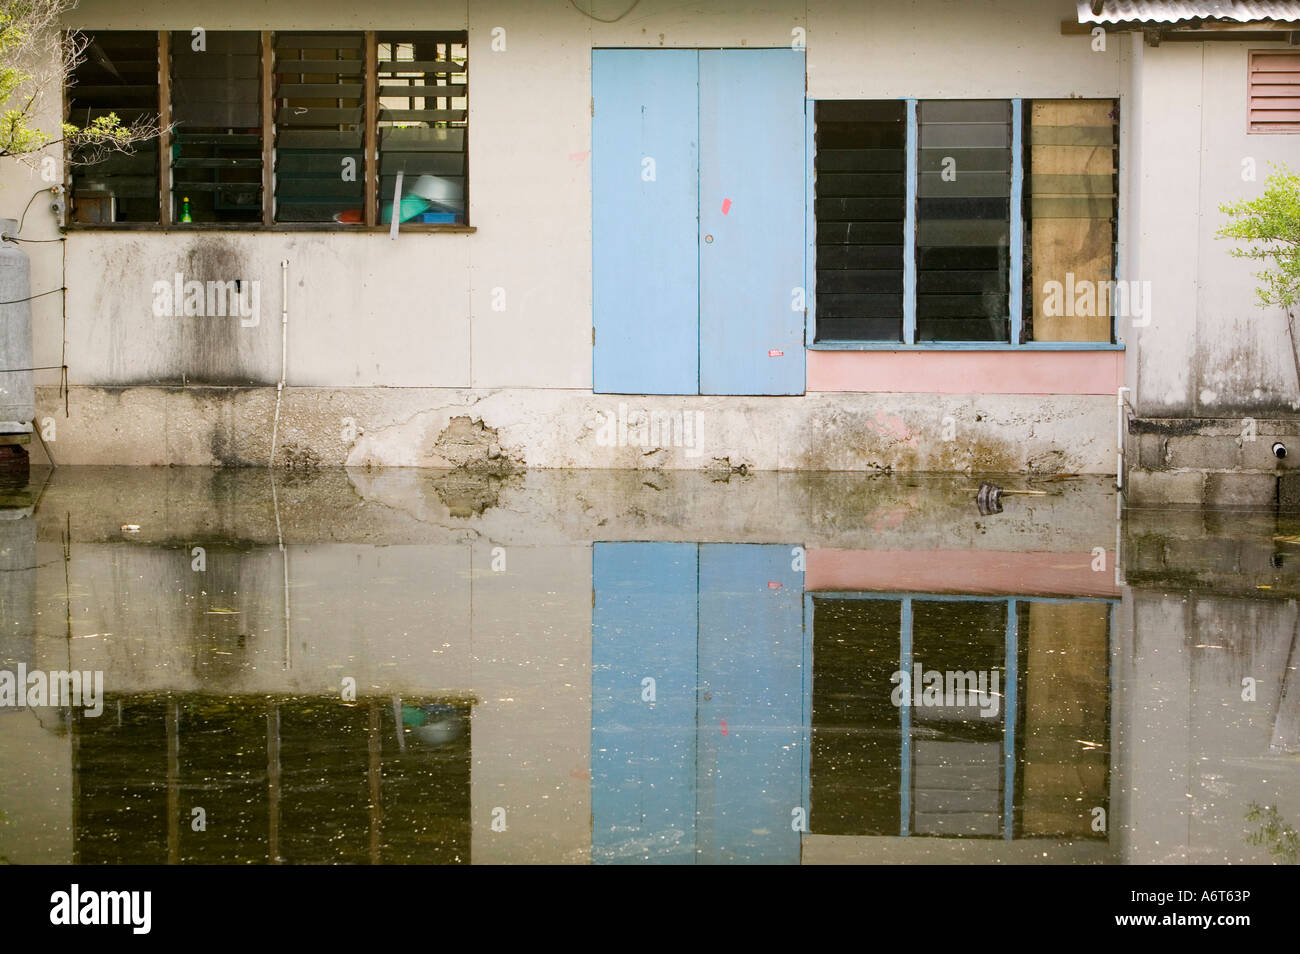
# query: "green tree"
[38,59]
[1270,228]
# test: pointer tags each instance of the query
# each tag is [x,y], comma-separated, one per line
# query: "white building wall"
[1210,350]
[417,312]
[368,312]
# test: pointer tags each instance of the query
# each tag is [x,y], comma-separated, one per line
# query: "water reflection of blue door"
[714,768]
[643,626]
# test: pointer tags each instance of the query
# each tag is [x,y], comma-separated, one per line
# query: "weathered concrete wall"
[505,429]
[1211,356]
[1210,350]
[368,312]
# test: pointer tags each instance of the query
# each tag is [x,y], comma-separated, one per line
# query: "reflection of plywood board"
[1072,191]
[1066,690]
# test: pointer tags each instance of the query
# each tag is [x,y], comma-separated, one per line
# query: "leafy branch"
[38,60]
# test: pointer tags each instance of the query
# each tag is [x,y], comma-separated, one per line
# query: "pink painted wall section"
[981,572]
[967,372]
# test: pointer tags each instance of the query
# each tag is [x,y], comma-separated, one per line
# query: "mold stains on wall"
[215,349]
[199,318]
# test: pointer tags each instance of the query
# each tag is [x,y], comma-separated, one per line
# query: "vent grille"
[1274,92]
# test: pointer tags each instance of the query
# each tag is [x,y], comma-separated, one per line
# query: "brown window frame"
[372,199]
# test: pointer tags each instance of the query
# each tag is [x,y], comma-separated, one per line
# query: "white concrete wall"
[1210,350]
[367,311]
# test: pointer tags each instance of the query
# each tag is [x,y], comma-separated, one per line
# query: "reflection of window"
[299,780]
[340,118]
[1028,758]
[966,221]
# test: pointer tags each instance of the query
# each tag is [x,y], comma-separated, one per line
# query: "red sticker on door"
[726,206]
[776,354]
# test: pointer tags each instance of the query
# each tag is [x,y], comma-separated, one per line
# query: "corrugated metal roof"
[1177,11]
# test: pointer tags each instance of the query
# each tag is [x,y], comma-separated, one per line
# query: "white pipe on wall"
[284,354]
[1119,438]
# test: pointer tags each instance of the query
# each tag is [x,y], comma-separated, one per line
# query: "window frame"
[1015,271]
[372,200]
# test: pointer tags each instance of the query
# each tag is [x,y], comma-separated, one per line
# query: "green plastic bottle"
[185,210]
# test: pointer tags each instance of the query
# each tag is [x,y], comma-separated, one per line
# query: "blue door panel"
[643,752]
[752,718]
[644,188]
[751,200]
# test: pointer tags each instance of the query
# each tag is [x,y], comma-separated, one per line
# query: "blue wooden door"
[698,221]
[753,715]
[643,626]
[751,221]
[644,221]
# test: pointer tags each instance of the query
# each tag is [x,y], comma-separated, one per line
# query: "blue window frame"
[964,248]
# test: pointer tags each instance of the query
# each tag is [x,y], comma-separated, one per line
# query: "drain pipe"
[1119,437]
[284,354]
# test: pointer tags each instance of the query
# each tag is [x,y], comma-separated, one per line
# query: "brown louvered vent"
[1274,92]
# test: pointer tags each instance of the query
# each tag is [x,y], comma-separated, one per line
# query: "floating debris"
[989,499]
[130,528]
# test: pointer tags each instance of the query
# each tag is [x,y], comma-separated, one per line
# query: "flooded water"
[374,667]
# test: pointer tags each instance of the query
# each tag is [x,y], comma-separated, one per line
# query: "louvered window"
[423,118]
[860,201]
[968,223]
[262,129]
[963,221]
[320,127]
[118,75]
[216,139]
[1274,92]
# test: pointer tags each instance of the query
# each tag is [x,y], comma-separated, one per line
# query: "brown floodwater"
[404,666]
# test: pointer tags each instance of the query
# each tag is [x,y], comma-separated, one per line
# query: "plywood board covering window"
[1072,192]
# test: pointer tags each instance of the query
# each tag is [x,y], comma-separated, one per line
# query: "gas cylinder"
[17,387]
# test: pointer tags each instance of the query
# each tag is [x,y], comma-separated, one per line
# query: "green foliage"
[37,57]
[1270,227]
[1281,840]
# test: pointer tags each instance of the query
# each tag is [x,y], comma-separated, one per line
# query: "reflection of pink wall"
[967,372]
[993,572]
